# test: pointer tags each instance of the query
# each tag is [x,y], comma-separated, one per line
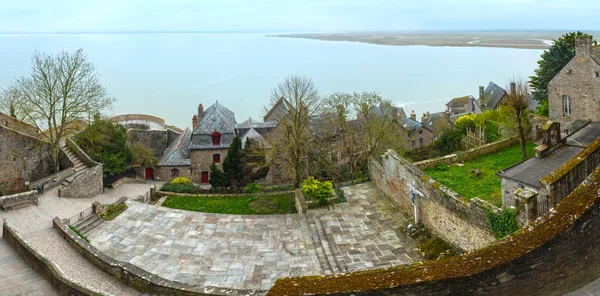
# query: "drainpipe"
[413,199]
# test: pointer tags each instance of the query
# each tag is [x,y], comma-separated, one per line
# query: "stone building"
[417,135]
[461,105]
[574,93]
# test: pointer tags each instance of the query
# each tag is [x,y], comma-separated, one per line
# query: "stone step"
[18,278]
[319,247]
[94,224]
[328,236]
[85,222]
[326,247]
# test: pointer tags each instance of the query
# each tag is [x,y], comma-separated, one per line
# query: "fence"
[81,216]
[542,205]
[474,138]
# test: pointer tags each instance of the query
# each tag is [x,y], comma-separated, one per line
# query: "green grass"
[487,185]
[241,205]
[79,233]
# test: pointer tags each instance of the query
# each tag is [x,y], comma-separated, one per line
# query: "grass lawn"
[241,205]
[487,185]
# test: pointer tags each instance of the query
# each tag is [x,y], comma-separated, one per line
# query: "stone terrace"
[251,252]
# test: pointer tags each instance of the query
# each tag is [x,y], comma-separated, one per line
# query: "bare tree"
[9,104]
[518,101]
[62,91]
[298,102]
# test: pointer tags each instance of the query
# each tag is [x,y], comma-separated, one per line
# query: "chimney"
[413,116]
[481,96]
[513,88]
[425,117]
[583,45]
[194,121]
[200,110]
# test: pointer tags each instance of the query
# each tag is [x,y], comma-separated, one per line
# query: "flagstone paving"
[251,252]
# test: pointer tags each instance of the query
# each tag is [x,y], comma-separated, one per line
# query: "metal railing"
[542,205]
[81,216]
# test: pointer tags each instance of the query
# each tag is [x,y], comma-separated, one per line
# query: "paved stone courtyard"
[251,252]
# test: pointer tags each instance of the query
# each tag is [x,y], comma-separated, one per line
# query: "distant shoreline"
[520,40]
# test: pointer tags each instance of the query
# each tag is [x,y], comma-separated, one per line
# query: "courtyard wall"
[87,183]
[453,218]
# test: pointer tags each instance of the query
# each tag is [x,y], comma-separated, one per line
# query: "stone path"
[34,224]
[17,278]
[251,252]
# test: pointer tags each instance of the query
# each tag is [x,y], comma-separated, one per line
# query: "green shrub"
[253,188]
[180,188]
[319,191]
[79,233]
[502,224]
[181,180]
[442,167]
[114,211]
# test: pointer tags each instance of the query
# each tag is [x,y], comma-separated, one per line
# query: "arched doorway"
[149,174]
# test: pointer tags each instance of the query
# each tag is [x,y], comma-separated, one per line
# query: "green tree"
[553,60]
[142,155]
[233,165]
[517,101]
[217,177]
[106,142]
[254,161]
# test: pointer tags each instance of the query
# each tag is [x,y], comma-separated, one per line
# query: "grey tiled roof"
[459,102]
[410,125]
[216,118]
[178,153]
[492,96]
[254,135]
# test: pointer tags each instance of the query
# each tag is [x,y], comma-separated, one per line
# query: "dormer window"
[216,138]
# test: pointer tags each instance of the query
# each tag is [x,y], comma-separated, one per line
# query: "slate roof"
[263,128]
[410,125]
[492,96]
[459,102]
[254,135]
[399,111]
[216,118]
[178,153]
[433,117]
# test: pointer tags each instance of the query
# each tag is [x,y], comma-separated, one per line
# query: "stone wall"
[14,124]
[561,182]
[553,256]
[163,173]
[85,185]
[467,155]
[44,266]
[134,276]
[22,158]
[144,117]
[52,180]
[301,206]
[30,196]
[171,136]
[203,159]
[453,218]
[155,140]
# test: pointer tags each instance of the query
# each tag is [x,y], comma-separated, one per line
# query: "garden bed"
[240,205]
[486,185]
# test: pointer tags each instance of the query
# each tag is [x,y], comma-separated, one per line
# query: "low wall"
[453,218]
[301,206]
[146,117]
[31,196]
[134,276]
[52,180]
[467,155]
[88,161]
[563,180]
[44,266]
[167,193]
[555,255]
[86,185]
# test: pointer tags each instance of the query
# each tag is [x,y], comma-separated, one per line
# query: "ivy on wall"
[502,224]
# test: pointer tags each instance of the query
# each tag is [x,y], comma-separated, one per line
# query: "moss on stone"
[571,164]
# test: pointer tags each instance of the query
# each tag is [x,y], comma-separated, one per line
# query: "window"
[174,173]
[217,158]
[569,72]
[566,105]
[413,143]
[216,139]
[420,132]
[597,74]
[421,142]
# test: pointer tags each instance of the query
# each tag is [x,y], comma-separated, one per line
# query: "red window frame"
[216,138]
[217,158]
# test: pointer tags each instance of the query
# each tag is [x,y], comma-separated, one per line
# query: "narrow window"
[174,173]
[597,74]
[569,72]
[420,132]
[217,158]
[566,105]
[421,142]
[413,143]
[216,139]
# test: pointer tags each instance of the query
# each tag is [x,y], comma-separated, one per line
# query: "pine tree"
[217,177]
[233,165]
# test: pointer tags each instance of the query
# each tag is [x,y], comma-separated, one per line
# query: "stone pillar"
[95,207]
[528,200]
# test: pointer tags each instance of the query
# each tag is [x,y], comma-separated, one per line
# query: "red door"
[149,173]
[204,178]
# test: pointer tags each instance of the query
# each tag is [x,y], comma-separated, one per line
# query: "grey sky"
[295,15]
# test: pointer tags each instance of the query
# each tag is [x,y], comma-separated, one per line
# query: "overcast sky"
[295,15]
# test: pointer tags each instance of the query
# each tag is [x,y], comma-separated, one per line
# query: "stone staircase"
[88,224]
[18,278]
[77,164]
[327,260]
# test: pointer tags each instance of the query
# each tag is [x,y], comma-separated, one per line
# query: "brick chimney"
[413,116]
[513,88]
[200,110]
[583,45]
[425,117]
[194,121]
[481,96]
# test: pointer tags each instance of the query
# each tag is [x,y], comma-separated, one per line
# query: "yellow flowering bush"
[319,191]
[181,181]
